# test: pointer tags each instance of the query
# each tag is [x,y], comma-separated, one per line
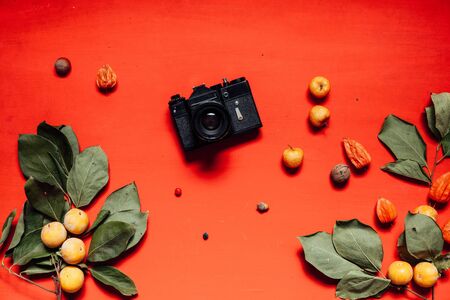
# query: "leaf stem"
[26,279]
[416,294]
[436,161]
[57,265]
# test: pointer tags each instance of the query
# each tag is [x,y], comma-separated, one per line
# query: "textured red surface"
[381,57]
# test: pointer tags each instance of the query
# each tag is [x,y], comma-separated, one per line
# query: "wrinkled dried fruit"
[386,211]
[340,173]
[426,210]
[440,189]
[446,232]
[262,207]
[357,154]
[106,78]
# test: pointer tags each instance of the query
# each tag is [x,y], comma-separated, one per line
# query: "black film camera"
[214,113]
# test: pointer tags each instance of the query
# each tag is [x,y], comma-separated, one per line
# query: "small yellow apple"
[292,157]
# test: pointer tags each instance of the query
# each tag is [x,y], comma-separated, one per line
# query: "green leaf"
[442,262]
[60,140]
[34,269]
[423,236]
[33,220]
[41,159]
[32,223]
[125,198]
[46,262]
[407,168]
[445,143]
[113,277]
[88,176]
[109,241]
[6,229]
[402,250]
[29,248]
[18,232]
[442,112]
[101,216]
[431,120]
[135,218]
[403,139]
[72,138]
[359,285]
[358,243]
[320,252]
[46,199]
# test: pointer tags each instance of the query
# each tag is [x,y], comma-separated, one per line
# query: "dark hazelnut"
[62,66]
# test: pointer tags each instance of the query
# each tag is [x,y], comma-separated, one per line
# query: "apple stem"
[290,147]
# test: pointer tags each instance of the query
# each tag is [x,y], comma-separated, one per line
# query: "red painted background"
[381,57]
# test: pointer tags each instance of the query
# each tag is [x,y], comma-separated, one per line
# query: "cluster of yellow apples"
[319,87]
[72,249]
[425,274]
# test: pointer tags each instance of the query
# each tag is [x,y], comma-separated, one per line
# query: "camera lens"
[210,120]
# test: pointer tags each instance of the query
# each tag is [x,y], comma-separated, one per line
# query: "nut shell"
[440,189]
[106,78]
[340,173]
[356,153]
[386,211]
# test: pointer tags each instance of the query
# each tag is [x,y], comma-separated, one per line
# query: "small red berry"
[178,192]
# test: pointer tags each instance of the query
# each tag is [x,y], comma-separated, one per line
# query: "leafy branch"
[408,147]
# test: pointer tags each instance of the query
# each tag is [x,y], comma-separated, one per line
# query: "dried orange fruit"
[386,211]
[356,153]
[440,189]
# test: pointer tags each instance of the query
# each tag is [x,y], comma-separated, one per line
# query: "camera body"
[214,113]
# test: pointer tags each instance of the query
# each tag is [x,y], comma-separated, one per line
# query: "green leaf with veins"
[403,139]
[34,269]
[60,140]
[402,250]
[109,241]
[125,198]
[423,237]
[431,121]
[46,199]
[359,285]
[358,243]
[6,229]
[115,278]
[41,159]
[72,138]
[320,252]
[29,248]
[135,218]
[88,176]
[18,232]
[407,168]
[441,104]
